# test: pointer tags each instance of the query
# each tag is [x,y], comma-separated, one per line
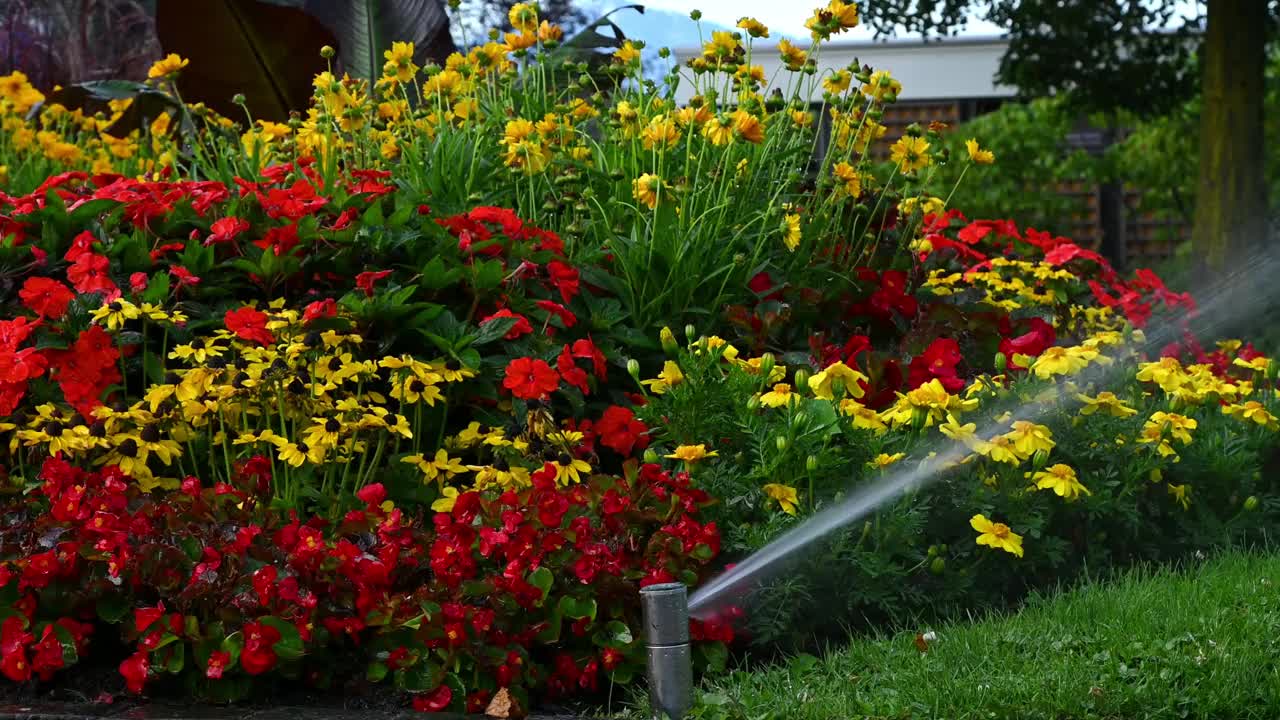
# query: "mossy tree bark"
[1231,197]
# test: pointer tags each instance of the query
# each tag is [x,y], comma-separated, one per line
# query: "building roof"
[947,69]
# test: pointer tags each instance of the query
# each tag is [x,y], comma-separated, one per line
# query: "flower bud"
[633,369]
[938,566]
[1002,363]
[1039,460]
[802,379]
[811,464]
[781,442]
[691,332]
[767,363]
[1251,503]
[668,341]
[933,550]
[238,99]
[327,52]
[651,456]
[799,417]
[1156,476]
[696,15]
[753,403]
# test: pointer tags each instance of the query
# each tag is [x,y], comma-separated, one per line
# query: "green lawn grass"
[1202,642]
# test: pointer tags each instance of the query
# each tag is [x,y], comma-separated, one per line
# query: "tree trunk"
[1231,196]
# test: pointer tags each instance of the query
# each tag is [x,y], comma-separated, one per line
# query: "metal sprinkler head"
[670,662]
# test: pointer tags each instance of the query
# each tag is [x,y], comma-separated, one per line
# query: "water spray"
[1250,286]
[666,637]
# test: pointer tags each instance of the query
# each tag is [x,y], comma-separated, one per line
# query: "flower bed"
[333,414]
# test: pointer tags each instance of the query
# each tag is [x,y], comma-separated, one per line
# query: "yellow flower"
[910,153]
[748,126]
[1057,361]
[785,495]
[1182,494]
[549,33]
[667,379]
[1106,402]
[448,497]
[754,27]
[978,155]
[880,85]
[1179,426]
[692,453]
[1252,411]
[523,17]
[837,82]
[884,460]
[661,132]
[170,65]
[719,132]
[1062,480]
[837,376]
[722,45]
[791,231]
[779,396]
[628,53]
[1260,363]
[864,417]
[952,428]
[645,189]
[1028,438]
[793,57]
[850,179]
[569,469]
[997,536]
[115,313]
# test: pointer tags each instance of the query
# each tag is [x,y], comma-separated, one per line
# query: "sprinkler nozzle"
[670,662]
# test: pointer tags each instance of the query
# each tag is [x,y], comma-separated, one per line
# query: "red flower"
[87,369]
[530,378]
[434,701]
[45,297]
[939,361]
[138,282]
[82,244]
[365,280]
[218,662]
[565,278]
[560,311]
[521,326]
[279,240]
[259,654]
[226,230]
[88,274]
[1032,343]
[184,276]
[13,649]
[620,431]
[587,350]
[134,669]
[571,373]
[249,324]
[319,309]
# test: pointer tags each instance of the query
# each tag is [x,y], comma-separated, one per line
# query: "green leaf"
[289,646]
[366,28]
[542,579]
[68,643]
[267,51]
[617,634]
[112,608]
[494,329]
[376,672]
[157,289]
[577,609]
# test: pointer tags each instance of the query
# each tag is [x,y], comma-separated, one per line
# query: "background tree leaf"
[267,51]
[364,29]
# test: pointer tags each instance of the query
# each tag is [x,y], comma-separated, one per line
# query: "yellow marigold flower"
[520,41]
[837,82]
[667,379]
[978,155]
[448,497]
[661,132]
[779,396]
[169,65]
[523,17]
[837,376]
[645,189]
[549,33]
[884,460]
[1057,361]
[748,126]
[1062,480]
[996,535]
[1166,372]
[966,433]
[628,53]
[1260,363]
[849,178]
[793,57]
[910,154]
[864,417]
[1029,438]
[692,453]
[791,231]
[1179,426]
[999,448]
[1105,402]
[1252,411]
[784,495]
[881,85]
[1181,494]
[722,45]
[754,28]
